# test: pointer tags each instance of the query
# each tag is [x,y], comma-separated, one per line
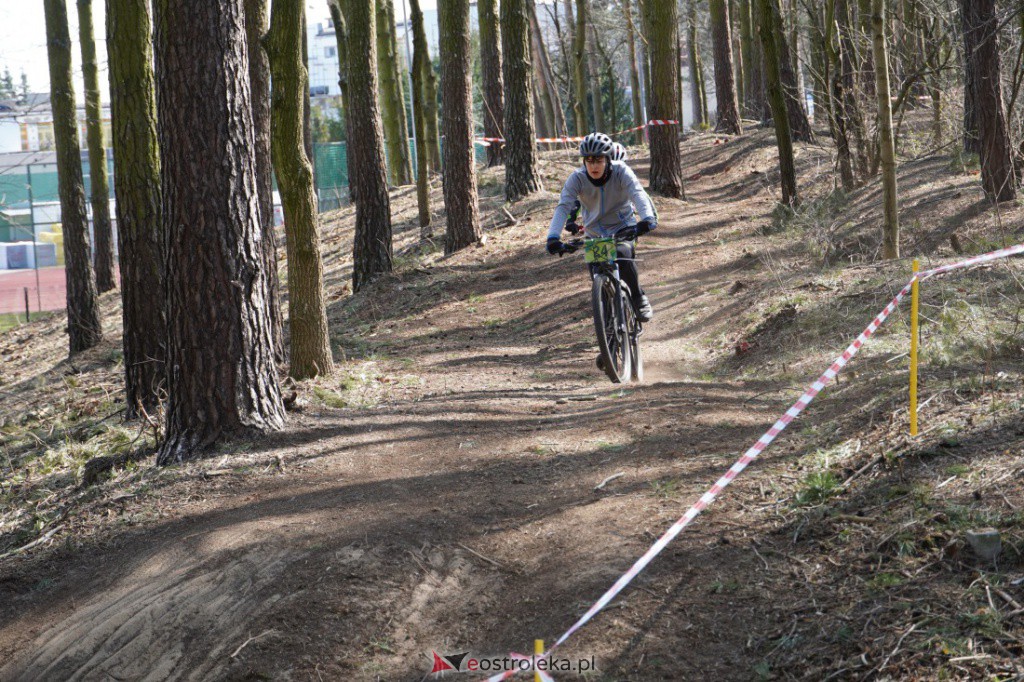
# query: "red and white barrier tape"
[763,442]
[487,141]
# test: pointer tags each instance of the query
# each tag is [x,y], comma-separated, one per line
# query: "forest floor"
[441,490]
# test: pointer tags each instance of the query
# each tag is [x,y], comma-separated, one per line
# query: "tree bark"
[546,80]
[84,329]
[256,23]
[796,107]
[697,92]
[521,176]
[372,252]
[776,100]
[634,75]
[221,378]
[725,83]
[659,25]
[341,38]
[491,37]
[396,132]
[834,84]
[753,87]
[307,313]
[579,68]
[429,86]
[981,32]
[460,199]
[420,58]
[99,185]
[891,224]
[596,92]
[137,187]
[851,102]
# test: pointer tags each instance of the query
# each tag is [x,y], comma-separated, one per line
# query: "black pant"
[627,268]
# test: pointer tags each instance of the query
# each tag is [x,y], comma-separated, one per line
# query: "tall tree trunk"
[396,132]
[307,313]
[99,185]
[83,314]
[981,37]
[834,82]
[256,23]
[431,96]
[460,199]
[546,80]
[851,103]
[697,92]
[776,99]
[429,90]
[569,52]
[221,380]
[372,251]
[579,68]
[739,63]
[725,84]
[341,38]
[137,187]
[521,176]
[490,71]
[891,225]
[596,92]
[421,57]
[634,75]
[753,89]
[796,107]
[659,25]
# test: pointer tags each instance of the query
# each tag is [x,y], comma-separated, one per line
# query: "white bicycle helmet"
[618,152]
[596,144]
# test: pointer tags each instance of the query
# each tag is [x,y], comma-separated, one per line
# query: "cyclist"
[607,191]
[618,154]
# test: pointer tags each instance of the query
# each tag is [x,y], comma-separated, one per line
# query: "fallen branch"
[475,553]
[609,480]
[38,541]
[250,640]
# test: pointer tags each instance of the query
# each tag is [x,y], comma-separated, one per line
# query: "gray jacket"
[607,208]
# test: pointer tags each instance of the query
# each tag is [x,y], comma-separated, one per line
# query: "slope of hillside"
[440,492]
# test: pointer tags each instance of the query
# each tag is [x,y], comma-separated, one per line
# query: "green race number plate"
[599,250]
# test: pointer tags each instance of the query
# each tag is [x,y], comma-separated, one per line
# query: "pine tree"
[998,175]
[491,36]
[420,60]
[891,225]
[256,24]
[307,314]
[221,378]
[580,68]
[99,184]
[659,26]
[372,252]
[634,74]
[137,187]
[83,313]
[521,176]
[460,199]
[725,83]
[776,99]
[392,99]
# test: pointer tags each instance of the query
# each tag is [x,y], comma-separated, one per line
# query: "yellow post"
[538,650]
[914,298]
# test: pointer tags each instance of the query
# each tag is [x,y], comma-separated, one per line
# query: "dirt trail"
[460,514]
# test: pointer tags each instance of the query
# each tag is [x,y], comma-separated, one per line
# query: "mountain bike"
[616,321]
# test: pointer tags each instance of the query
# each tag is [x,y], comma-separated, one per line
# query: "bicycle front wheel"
[610,325]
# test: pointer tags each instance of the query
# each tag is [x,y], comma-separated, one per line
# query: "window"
[330,51]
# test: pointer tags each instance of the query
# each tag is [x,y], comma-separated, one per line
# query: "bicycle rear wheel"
[612,337]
